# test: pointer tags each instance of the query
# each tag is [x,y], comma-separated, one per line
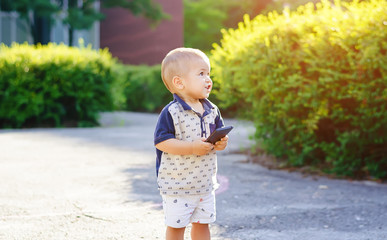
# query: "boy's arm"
[180,147]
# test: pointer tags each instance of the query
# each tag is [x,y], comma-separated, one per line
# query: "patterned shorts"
[181,210]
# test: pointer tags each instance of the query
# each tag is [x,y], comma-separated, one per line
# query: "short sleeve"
[165,128]
[219,120]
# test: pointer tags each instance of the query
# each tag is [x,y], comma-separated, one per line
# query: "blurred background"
[137,32]
[311,75]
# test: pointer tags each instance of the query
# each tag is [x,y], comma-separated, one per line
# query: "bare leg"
[175,233]
[200,232]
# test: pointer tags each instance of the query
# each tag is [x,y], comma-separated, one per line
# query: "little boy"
[186,165]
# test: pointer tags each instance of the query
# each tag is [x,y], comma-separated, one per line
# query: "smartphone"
[218,134]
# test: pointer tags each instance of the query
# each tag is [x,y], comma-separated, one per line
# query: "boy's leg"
[204,214]
[200,232]
[175,233]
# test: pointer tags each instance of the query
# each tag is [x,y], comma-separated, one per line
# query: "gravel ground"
[99,183]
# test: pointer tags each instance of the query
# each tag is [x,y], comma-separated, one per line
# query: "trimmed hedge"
[53,85]
[314,81]
[141,89]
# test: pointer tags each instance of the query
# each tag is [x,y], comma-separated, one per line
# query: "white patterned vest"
[186,174]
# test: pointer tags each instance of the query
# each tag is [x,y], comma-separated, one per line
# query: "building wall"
[133,41]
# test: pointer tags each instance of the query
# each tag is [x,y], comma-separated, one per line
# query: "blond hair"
[176,63]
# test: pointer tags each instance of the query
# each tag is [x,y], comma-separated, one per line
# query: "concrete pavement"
[99,183]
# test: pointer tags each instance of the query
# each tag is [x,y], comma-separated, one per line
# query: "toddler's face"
[197,81]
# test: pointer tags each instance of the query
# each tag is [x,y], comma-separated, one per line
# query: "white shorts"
[179,211]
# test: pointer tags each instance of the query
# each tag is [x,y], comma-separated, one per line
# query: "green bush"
[53,85]
[279,5]
[203,19]
[141,89]
[314,82]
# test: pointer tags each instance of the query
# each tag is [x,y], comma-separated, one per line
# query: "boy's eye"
[201,73]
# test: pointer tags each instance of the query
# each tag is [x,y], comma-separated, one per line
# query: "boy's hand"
[200,147]
[221,144]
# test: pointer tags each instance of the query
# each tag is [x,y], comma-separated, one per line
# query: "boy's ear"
[177,82]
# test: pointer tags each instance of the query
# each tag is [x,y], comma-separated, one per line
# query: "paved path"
[99,184]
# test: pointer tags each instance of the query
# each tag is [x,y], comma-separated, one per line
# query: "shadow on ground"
[143,185]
